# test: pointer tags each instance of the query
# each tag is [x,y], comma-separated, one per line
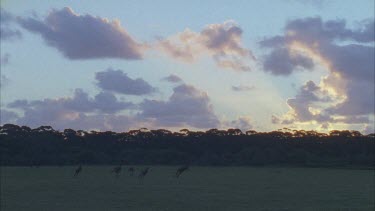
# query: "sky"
[252,65]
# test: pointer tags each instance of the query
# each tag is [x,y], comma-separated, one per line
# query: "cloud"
[102,122]
[4,81]
[369,129]
[347,54]
[104,101]
[282,62]
[187,106]
[354,119]
[301,104]
[183,53]
[241,88]
[22,104]
[285,120]
[84,36]
[4,60]
[172,78]
[80,102]
[359,99]
[311,38]
[7,116]
[242,123]
[118,81]
[80,111]
[318,39]
[68,112]
[6,31]
[312,103]
[275,119]
[325,126]
[220,41]
[231,63]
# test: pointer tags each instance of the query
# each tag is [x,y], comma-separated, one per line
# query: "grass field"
[201,188]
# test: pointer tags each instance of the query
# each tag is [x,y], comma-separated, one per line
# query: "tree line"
[24,146]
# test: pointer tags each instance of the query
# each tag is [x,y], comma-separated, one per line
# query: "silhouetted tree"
[21,145]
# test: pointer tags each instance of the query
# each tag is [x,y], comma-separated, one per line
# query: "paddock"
[199,188]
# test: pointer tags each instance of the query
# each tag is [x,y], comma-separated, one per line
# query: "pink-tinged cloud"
[222,42]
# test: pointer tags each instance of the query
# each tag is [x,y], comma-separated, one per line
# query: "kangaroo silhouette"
[131,171]
[143,173]
[117,170]
[78,170]
[181,170]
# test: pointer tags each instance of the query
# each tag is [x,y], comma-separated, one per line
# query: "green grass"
[201,188]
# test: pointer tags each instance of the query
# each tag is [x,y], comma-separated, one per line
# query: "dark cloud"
[359,99]
[347,53]
[7,32]
[118,81]
[84,36]
[104,101]
[310,30]
[172,78]
[354,60]
[282,62]
[242,88]
[314,31]
[222,38]
[220,41]
[187,106]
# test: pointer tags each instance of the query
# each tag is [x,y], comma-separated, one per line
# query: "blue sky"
[35,70]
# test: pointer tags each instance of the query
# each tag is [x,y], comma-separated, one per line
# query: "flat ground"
[200,188]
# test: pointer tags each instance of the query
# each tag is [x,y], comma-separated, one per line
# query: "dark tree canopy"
[21,145]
